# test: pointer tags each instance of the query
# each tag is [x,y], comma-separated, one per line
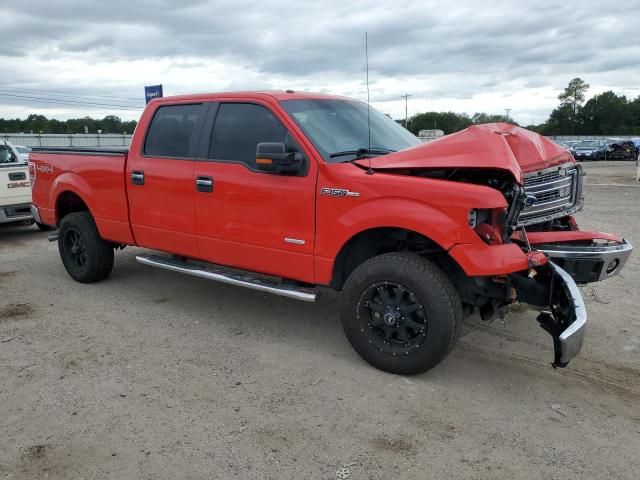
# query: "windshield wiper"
[361,152]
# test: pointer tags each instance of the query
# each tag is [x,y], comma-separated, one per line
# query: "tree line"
[603,114]
[40,124]
[450,122]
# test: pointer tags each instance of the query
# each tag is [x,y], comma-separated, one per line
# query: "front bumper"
[562,311]
[566,320]
[15,213]
[589,263]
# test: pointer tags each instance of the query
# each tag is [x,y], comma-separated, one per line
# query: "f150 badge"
[338,192]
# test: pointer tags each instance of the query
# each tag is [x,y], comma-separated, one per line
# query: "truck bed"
[94,176]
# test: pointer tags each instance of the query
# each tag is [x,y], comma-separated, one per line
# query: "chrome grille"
[558,192]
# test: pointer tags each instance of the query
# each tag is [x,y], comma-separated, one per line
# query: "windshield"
[21,149]
[589,144]
[340,126]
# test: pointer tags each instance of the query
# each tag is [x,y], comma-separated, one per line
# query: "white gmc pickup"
[15,188]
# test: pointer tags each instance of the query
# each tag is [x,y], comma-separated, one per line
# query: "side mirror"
[273,157]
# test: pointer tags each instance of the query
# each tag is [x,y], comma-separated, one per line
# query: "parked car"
[618,149]
[586,150]
[636,144]
[300,190]
[15,189]
[23,152]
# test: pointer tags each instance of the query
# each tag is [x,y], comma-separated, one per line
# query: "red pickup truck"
[284,192]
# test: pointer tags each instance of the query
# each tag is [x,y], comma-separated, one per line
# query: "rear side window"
[172,130]
[240,127]
[6,155]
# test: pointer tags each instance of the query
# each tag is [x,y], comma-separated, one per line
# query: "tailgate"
[586,256]
[15,188]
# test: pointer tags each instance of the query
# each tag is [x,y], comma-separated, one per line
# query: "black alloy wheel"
[392,318]
[74,247]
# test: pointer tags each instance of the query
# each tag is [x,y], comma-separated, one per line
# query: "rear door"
[247,218]
[160,183]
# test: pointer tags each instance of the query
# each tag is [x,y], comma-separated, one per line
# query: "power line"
[73,99]
[68,102]
[65,94]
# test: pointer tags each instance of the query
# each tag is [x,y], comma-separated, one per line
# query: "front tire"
[86,257]
[401,313]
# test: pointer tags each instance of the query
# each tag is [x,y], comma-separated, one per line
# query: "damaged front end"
[563,313]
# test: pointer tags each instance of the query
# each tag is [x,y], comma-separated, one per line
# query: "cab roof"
[265,94]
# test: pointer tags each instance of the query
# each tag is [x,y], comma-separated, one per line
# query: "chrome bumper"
[562,311]
[571,338]
[36,213]
[589,263]
[15,213]
[566,317]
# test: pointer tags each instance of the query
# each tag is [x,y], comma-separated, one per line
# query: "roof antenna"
[366,57]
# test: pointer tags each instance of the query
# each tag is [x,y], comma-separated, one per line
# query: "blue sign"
[152,91]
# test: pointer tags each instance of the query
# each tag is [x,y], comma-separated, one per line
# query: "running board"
[210,272]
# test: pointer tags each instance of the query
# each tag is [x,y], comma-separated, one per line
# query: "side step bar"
[210,272]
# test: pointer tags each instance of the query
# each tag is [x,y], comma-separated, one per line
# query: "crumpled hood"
[492,145]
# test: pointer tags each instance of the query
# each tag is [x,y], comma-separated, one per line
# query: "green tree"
[573,96]
[448,122]
[606,113]
[482,117]
[560,121]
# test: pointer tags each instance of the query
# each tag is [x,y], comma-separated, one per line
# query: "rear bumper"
[36,214]
[15,213]
[587,263]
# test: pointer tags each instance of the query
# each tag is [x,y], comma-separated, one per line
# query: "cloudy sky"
[81,57]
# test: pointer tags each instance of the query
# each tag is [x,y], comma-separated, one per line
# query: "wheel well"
[475,292]
[69,202]
[374,242]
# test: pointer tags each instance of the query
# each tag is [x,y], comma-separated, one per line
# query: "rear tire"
[401,313]
[86,257]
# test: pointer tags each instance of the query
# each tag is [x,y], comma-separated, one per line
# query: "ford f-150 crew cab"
[284,192]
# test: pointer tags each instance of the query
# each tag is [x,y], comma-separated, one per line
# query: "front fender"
[446,227]
[409,214]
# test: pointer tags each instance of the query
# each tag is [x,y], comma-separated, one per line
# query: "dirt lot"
[155,375]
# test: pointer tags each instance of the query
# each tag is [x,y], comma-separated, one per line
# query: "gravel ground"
[152,374]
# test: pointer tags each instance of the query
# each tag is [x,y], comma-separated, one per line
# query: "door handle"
[137,177]
[204,184]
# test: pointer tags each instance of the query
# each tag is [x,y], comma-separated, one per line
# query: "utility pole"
[507,116]
[406,109]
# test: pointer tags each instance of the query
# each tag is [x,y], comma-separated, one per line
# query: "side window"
[238,129]
[171,130]
[6,155]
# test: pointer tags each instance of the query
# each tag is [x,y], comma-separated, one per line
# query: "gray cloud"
[454,50]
